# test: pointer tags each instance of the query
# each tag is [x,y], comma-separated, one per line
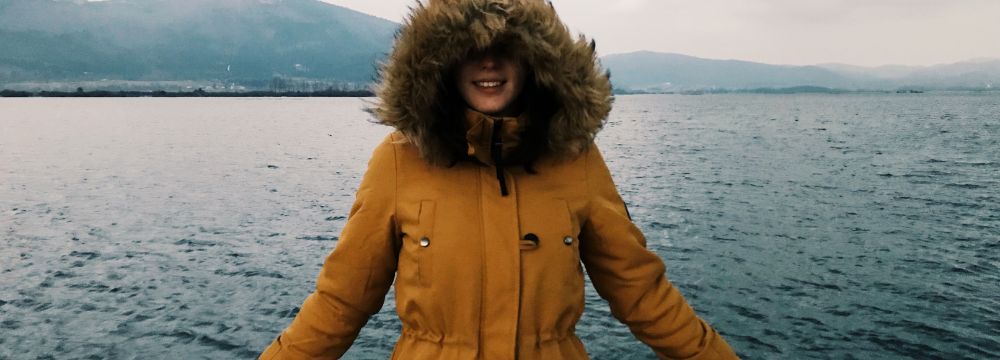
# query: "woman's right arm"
[633,279]
[356,275]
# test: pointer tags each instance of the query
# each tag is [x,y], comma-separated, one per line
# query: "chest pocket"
[419,245]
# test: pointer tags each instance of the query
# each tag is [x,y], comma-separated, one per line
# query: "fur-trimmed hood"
[440,34]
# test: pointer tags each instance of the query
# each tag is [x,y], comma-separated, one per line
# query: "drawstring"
[496,151]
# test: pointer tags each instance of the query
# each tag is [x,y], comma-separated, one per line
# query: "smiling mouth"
[489,84]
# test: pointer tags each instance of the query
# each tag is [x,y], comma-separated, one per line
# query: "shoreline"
[5,93]
[800,90]
[80,93]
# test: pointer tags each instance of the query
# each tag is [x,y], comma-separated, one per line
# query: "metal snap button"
[568,240]
[425,242]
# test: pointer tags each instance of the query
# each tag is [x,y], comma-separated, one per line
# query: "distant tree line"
[283,84]
[791,90]
[788,90]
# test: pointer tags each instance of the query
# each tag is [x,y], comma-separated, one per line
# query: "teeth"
[488,84]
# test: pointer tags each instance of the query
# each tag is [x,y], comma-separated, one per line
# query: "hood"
[437,36]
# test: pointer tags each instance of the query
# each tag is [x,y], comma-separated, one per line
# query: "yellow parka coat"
[487,263]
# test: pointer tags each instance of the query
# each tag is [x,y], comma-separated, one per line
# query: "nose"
[488,62]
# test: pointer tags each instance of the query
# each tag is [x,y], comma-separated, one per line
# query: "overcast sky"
[798,32]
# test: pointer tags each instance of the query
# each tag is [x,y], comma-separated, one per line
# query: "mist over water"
[801,226]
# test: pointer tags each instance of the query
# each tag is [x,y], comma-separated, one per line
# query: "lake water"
[800,226]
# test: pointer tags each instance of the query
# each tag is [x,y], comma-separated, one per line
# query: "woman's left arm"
[633,279]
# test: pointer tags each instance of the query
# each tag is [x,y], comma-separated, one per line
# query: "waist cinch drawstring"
[496,152]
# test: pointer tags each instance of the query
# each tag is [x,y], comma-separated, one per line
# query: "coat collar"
[479,134]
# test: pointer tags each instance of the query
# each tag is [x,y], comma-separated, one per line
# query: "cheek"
[463,84]
[518,88]
[461,78]
[520,76]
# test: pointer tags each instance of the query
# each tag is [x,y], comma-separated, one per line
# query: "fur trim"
[437,36]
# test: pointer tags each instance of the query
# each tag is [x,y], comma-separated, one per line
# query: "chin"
[490,108]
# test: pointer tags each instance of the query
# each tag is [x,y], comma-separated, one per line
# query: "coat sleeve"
[632,279]
[356,275]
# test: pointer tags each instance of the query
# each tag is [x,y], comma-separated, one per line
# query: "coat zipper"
[496,151]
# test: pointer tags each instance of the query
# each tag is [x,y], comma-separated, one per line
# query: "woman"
[484,203]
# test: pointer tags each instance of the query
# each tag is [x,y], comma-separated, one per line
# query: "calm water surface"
[801,227]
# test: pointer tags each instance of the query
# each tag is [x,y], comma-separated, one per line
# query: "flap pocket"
[423,242]
[550,247]
[551,225]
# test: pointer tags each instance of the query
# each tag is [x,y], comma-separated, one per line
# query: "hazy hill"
[165,40]
[966,74]
[148,42]
[650,70]
[879,72]
[673,72]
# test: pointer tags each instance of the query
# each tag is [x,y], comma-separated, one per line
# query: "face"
[490,83]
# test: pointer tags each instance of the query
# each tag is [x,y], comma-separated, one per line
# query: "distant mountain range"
[260,43]
[650,71]
[171,40]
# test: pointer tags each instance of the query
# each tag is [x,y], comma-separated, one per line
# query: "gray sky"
[799,32]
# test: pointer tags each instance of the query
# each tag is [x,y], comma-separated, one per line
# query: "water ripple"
[800,226]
